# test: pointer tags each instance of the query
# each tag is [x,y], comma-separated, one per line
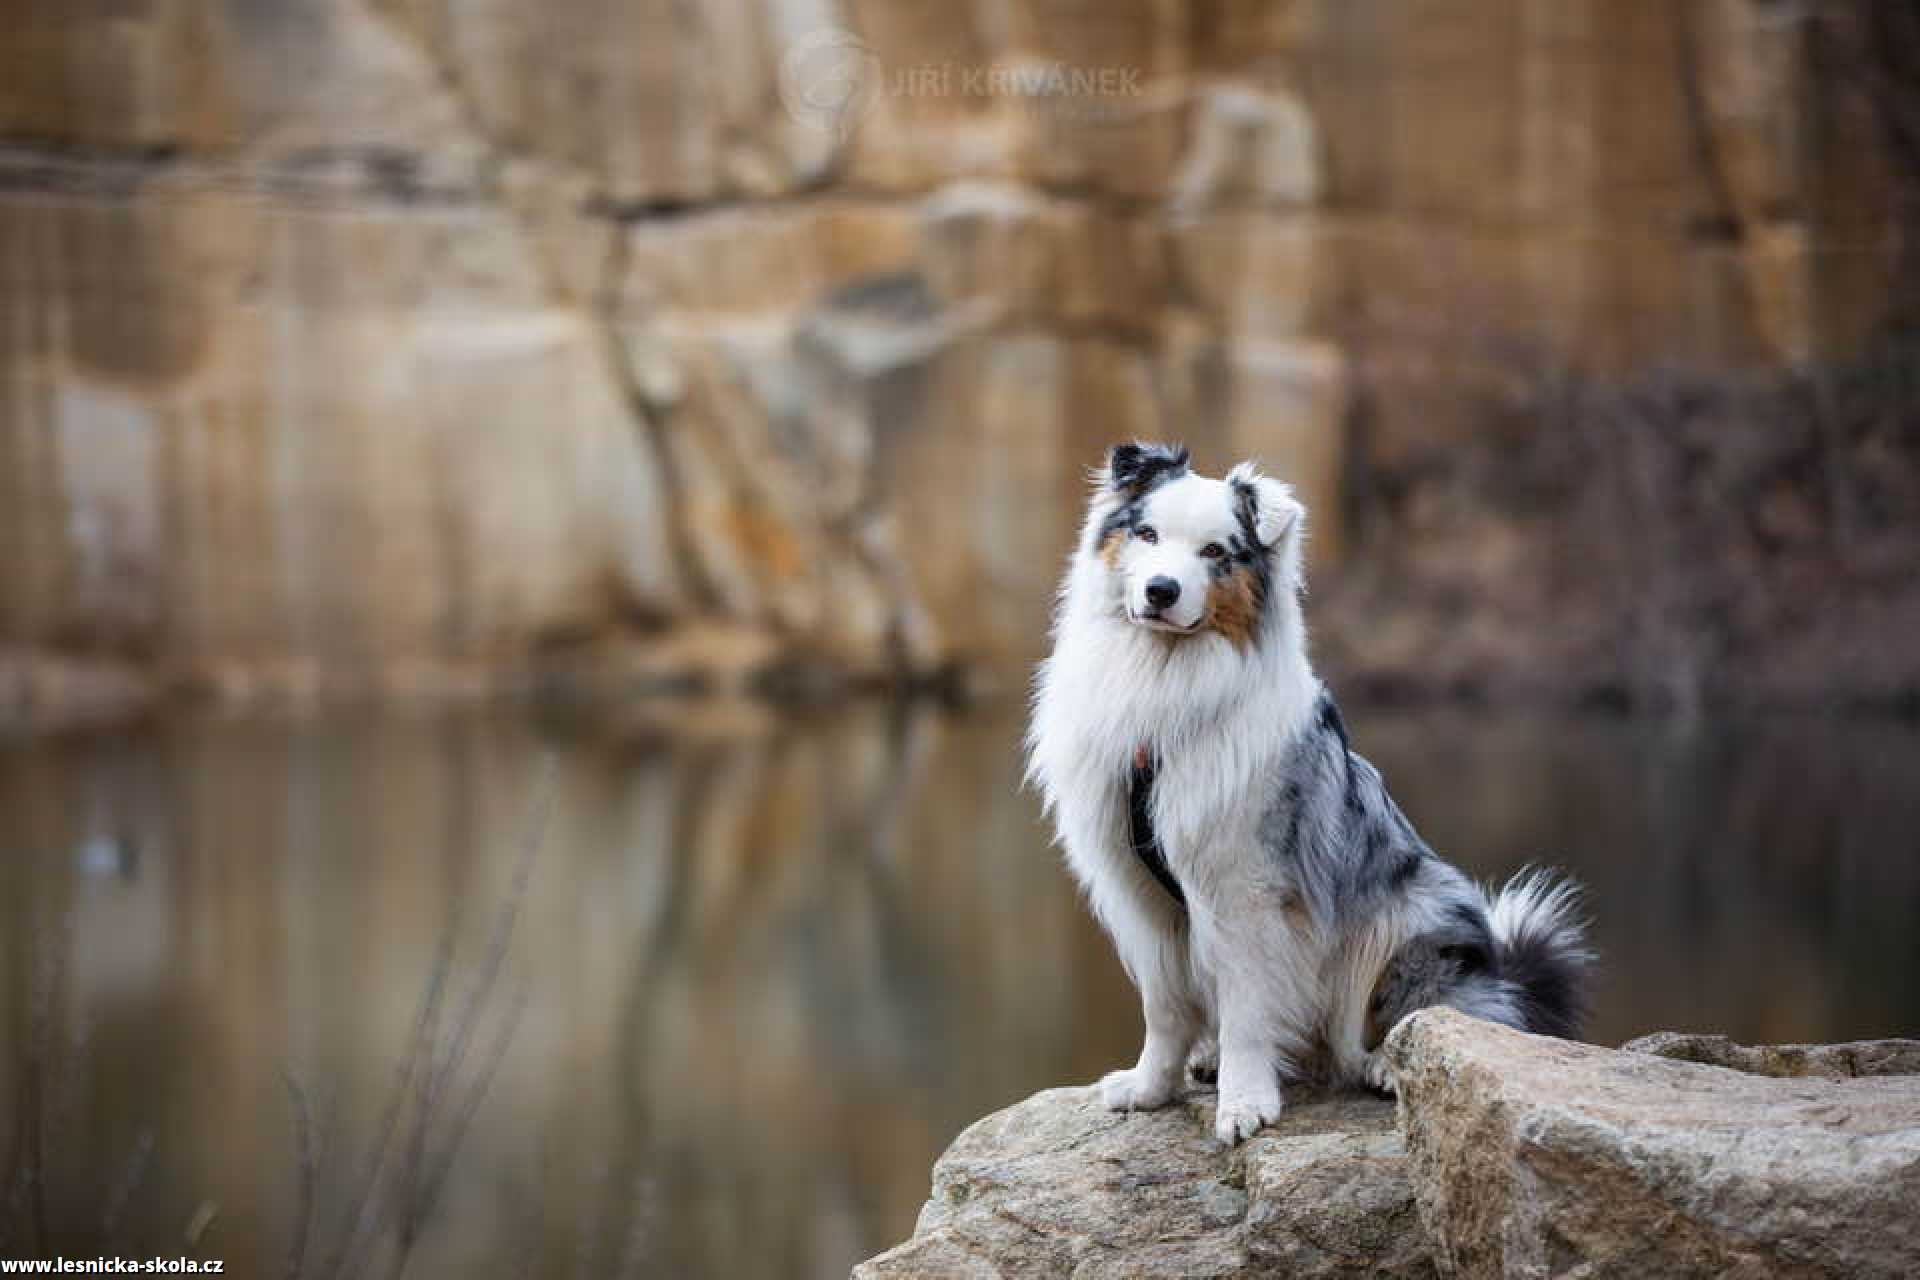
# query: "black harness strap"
[1146,845]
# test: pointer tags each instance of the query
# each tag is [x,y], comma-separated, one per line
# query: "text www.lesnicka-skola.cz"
[112,1267]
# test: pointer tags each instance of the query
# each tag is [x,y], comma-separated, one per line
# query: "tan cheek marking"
[1110,548]
[1232,607]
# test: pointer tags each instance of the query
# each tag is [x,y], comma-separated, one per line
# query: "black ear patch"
[1136,469]
[1246,511]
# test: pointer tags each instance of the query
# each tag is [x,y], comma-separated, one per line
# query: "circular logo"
[827,79]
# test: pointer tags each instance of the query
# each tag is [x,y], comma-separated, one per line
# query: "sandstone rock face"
[1057,1185]
[349,337]
[1536,1157]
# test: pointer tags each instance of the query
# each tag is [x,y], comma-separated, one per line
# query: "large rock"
[1535,1157]
[1058,1185]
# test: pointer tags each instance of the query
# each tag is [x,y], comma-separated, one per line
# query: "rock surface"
[1834,1061]
[1537,1157]
[1678,1155]
[1058,1185]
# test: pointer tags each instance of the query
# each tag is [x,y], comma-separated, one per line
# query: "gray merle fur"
[1347,848]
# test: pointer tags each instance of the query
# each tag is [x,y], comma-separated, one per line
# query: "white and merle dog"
[1276,910]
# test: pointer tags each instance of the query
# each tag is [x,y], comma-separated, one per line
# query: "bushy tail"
[1540,934]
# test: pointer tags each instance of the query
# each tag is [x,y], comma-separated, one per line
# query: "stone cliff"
[406,344]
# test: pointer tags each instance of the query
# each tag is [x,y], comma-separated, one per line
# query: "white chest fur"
[1213,718]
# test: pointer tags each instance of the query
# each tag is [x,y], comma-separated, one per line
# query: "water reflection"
[763,971]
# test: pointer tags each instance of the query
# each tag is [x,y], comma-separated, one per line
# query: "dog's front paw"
[1379,1074]
[1239,1118]
[1133,1090]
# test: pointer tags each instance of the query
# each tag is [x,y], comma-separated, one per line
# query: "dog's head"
[1188,554]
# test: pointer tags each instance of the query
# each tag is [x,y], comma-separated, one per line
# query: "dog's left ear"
[1266,507]
[1133,468]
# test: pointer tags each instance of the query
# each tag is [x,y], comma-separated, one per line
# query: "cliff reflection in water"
[763,971]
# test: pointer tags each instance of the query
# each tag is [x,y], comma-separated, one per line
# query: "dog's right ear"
[1134,468]
[1267,509]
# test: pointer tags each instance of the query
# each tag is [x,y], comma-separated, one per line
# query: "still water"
[333,998]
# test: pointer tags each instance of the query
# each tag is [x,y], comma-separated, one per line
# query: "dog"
[1275,909]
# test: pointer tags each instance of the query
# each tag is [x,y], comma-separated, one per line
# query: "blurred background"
[523,531]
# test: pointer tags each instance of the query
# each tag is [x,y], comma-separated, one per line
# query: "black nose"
[1162,592]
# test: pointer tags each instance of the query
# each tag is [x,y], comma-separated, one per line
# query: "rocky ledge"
[1507,1155]
[1058,1185]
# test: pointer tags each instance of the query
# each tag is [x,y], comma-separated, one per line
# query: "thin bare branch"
[363,1212]
[504,921]
[132,1173]
[423,1208]
[307,1171]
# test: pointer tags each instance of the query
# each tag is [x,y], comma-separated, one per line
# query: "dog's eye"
[1213,551]
[1147,533]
